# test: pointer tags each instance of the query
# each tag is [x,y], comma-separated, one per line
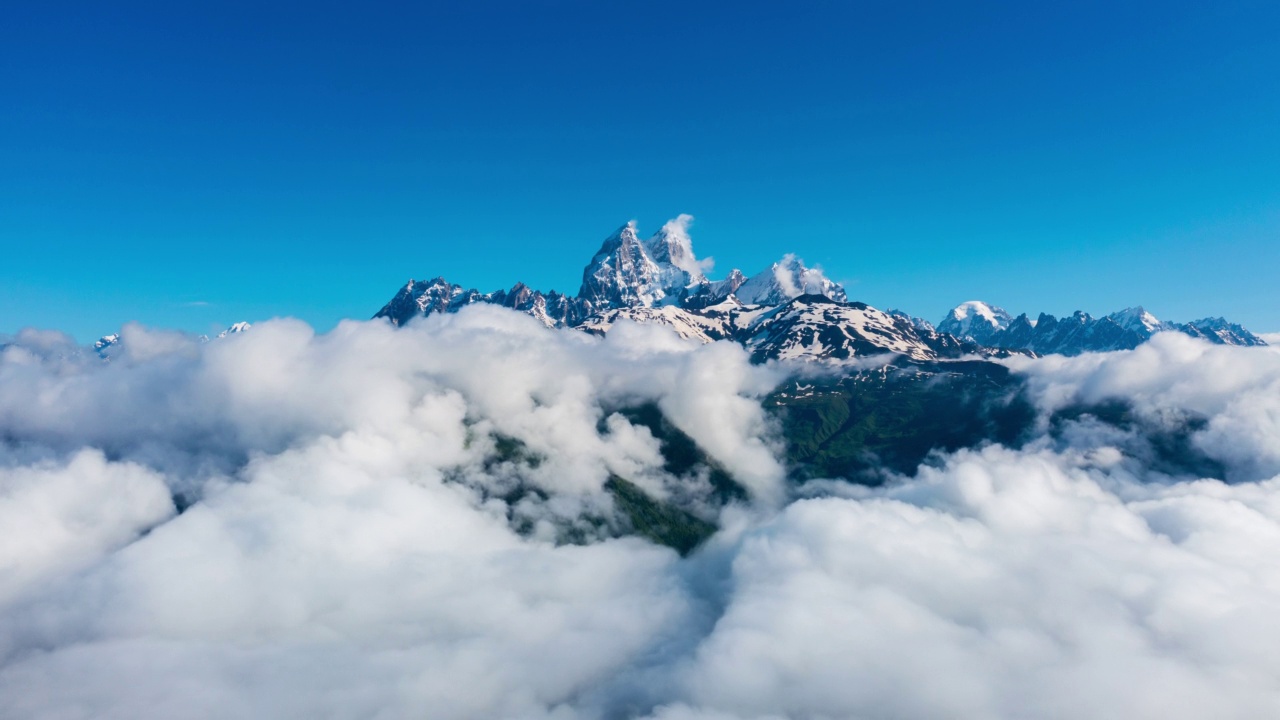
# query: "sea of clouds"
[290,525]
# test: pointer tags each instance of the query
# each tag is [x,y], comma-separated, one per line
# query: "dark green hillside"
[681,454]
[662,523]
[666,522]
[863,427]
[857,426]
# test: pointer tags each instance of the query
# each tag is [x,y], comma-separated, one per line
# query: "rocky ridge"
[787,311]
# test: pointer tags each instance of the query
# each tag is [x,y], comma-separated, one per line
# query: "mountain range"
[1080,332]
[107,345]
[787,311]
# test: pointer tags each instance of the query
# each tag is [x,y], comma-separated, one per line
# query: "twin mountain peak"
[788,311]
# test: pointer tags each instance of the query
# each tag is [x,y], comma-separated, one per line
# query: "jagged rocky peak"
[620,270]
[629,272]
[421,297]
[715,293]
[1080,332]
[235,329]
[975,320]
[1138,320]
[552,309]
[787,279]
[789,311]
[729,285]
[919,323]
[671,246]
[521,296]
[1222,332]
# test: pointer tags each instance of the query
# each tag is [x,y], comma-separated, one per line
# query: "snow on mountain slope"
[105,343]
[810,327]
[786,279]
[814,327]
[552,309]
[235,329]
[622,274]
[628,272]
[1081,332]
[920,323]
[418,298]
[688,324]
[1138,320]
[672,250]
[788,311]
[1221,332]
[422,298]
[975,320]
[115,345]
[712,293]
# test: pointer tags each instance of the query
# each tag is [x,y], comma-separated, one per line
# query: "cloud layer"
[347,542]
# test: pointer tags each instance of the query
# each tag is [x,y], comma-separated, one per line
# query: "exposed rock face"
[626,272]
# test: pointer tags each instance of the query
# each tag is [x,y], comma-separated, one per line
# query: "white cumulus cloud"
[358,537]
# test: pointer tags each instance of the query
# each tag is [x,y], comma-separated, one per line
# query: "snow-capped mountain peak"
[106,344]
[975,320]
[628,272]
[812,327]
[787,279]
[671,245]
[235,329]
[1220,331]
[789,311]
[115,345]
[1138,320]
[106,341]
[1080,332]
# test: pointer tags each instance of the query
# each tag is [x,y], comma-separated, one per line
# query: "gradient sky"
[194,164]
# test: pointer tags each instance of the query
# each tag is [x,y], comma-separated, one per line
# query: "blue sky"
[193,164]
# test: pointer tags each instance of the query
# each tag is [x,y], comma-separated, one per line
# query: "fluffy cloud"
[1236,390]
[1004,584]
[196,411]
[328,581]
[677,230]
[56,517]
[346,546]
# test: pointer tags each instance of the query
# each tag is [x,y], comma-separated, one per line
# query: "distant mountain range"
[788,311]
[1081,332]
[108,345]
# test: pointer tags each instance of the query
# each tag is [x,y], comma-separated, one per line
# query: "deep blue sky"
[193,164]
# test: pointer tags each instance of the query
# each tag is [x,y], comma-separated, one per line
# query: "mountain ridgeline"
[991,326]
[788,311]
